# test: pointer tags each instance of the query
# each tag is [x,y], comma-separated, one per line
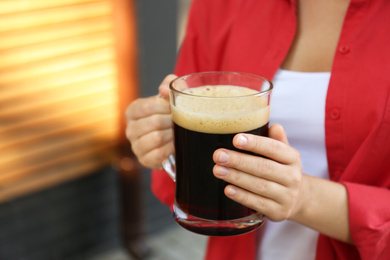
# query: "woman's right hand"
[149,127]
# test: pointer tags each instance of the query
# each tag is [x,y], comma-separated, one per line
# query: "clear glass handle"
[170,167]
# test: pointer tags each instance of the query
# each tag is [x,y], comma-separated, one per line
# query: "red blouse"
[254,36]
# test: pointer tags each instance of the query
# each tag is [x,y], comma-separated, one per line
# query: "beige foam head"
[221,109]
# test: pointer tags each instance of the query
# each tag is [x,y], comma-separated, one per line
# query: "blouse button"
[335,114]
[344,49]
[337,175]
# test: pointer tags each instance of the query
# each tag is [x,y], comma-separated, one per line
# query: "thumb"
[163,89]
[277,132]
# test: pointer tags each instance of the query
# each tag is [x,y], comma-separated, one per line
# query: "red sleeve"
[369,216]
[242,247]
[193,51]
[163,187]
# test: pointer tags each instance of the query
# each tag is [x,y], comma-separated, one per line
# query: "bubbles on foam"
[221,91]
[238,111]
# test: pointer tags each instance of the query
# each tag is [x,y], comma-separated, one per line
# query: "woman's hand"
[275,185]
[271,184]
[149,127]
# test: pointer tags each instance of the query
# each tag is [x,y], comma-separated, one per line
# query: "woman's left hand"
[271,183]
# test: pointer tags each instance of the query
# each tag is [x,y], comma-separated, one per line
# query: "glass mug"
[208,109]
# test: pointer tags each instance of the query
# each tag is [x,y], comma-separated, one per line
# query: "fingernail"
[221,171]
[222,157]
[242,140]
[231,191]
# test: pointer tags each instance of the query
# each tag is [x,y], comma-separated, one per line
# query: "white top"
[298,104]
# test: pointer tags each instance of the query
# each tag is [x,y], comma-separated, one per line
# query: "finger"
[277,132]
[152,141]
[163,89]
[264,205]
[254,165]
[136,129]
[154,158]
[267,147]
[256,185]
[144,107]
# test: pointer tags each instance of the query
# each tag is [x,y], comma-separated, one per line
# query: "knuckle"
[259,205]
[129,135]
[264,166]
[283,215]
[152,124]
[144,162]
[237,159]
[236,177]
[136,150]
[295,179]
[151,160]
[159,158]
[163,152]
[297,155]
[245,198]
[280,215]
[168,78]
[274,147]
[129,110]
[146,107]
[255,142]
[157,138]
[260,185]
[156,122]
[134,106]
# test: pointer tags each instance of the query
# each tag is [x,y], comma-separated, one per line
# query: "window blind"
[60,106]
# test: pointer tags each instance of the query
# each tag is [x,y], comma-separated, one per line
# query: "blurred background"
[69,186]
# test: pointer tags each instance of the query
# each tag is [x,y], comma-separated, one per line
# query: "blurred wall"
[80,219]
[157,28]
[157,42]
[75,220]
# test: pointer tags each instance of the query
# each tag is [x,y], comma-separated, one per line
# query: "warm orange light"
[59,90]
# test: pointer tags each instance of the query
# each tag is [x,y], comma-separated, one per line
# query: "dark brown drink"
[201,127]
[198,192]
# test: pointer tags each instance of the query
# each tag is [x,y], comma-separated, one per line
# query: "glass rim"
[258,93]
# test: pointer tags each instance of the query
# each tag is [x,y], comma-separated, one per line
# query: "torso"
[357,115]
[319,26]
[305,128]
[318,30]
